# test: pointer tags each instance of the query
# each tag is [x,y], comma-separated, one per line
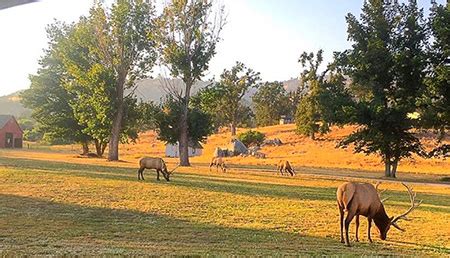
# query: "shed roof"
[4,119]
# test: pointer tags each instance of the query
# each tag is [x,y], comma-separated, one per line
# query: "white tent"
[173,150]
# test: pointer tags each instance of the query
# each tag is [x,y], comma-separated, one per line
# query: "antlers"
[174,169]
[380,192]
[414,205]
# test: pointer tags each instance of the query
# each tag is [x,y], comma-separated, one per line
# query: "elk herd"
[353,199]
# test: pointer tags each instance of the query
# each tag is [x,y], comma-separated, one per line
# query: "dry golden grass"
[300,151]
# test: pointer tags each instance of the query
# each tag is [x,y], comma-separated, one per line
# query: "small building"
[11,135]
[284,120]
[194,149]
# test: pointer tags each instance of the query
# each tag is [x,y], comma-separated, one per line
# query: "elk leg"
[210,165]
[341,222]
[357,228]
[157,174]
[349,219]
[140,172]
[291,172]
[368,229]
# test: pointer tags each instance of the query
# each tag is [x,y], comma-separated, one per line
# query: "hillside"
[10,105]
[300,151]
[147,90]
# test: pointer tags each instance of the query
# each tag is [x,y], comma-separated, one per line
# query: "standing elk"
[284,165]
[363,199]
[218,162]
[153,163]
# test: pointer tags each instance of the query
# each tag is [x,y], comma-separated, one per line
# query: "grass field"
[54,203]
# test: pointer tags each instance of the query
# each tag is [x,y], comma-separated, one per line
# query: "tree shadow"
[35,226]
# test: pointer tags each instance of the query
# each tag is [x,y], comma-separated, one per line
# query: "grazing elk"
[218,162]
[153,163]
[285,166]
[363,199]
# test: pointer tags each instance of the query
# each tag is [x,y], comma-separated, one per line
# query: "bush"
[251,137]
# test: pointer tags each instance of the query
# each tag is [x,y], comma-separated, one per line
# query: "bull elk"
[218,162]
[154,163]
[363,199]
[284,165]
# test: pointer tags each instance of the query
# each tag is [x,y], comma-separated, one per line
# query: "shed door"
[9,140]
[18,143]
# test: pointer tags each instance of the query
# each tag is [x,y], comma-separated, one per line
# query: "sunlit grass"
[51,207]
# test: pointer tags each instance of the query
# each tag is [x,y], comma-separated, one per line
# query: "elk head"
[392,221]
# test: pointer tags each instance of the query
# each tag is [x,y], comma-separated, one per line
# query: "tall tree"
[309,119]
[233,85]
[103,66]
[387,58]
[270,102]
[123,45]
[188,34]
[48,98]
[435,107]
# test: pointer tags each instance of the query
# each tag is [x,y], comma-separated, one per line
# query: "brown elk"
[153,163]
[284,165]
[218,162]
[363,199]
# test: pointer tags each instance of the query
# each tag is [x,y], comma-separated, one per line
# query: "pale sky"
[266,35]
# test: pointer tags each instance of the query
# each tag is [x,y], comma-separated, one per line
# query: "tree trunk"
[233,129]
[387,168]
[113,154]
[394,168]
[184,128]
[85,147]
[98,148]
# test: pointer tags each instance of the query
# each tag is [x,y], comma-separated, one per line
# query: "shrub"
[252,138]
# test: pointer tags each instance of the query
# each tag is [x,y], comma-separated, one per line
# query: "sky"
[266,35]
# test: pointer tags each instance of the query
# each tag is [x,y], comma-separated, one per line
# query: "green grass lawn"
[49,207]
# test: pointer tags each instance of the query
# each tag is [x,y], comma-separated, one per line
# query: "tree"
[123,45]
[167,122]
[387,58]
[47,97]
[309,118]
[187,41]
[233,85]
[103,66]
[270,102]
[435,108]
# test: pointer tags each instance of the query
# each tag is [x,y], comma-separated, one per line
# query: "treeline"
[393,81]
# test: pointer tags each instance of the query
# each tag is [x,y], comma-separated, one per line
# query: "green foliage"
[434,104]
[309,117]
[223,100]
[47,97]
[99,68]
[187,35]
[251,137]
[168,122]
[30,129]
[270,102]
[388,61]
[187,38]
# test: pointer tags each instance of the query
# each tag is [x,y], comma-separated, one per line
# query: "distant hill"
[10,105]
[147,90]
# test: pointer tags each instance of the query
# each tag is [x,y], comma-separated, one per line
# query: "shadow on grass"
[216,183]
[36,226]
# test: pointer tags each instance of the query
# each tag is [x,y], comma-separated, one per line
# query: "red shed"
[11,134]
